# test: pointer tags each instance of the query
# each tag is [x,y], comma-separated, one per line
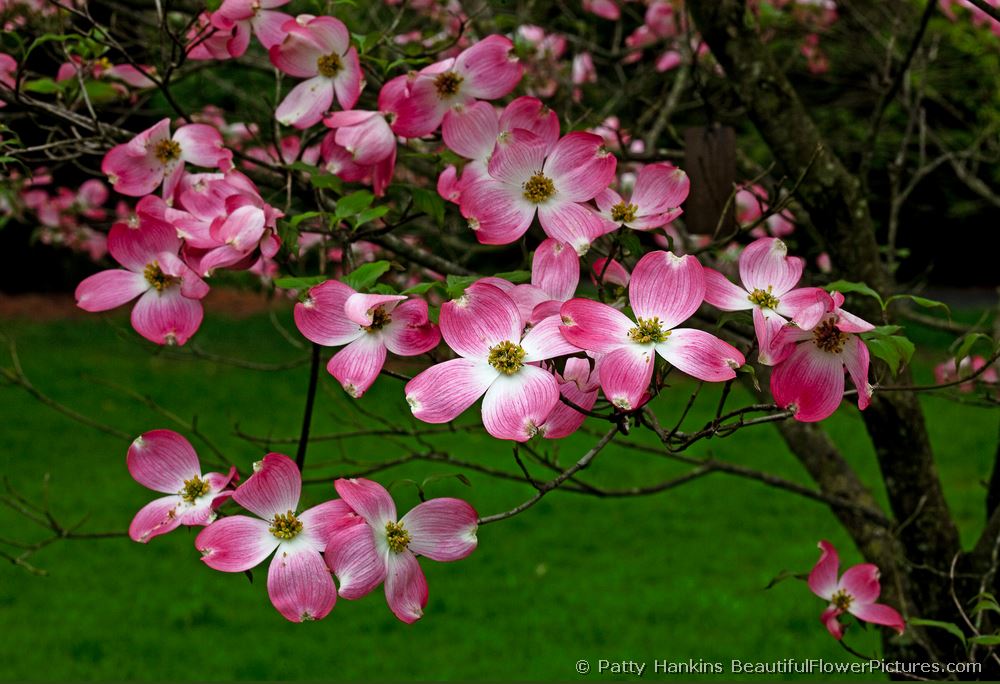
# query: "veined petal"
[765,265]
[235,543]
[322,319]
[410,332]
[571,223]
[767,326]
[594,326]
[465,379]
[274,488]
[368,499]
[723,294]
[162,460]
[405,586]
[360,307]
[856,360]
[701,354]
[516,405]
[625,374]
[667,287]
[166,317]
[806,306]
[357,365]
[442,529]
[130,173]
[480,319]
[306,103]
[496,211]
[109,289]
[565,420]
[489,67]
[299,584]
[580,166]
[823,577]
[201,145]
[861,582]
[659,188]
[519,155]
[157,517]
[811,380]
[546,341]
[135,248]
[348,83]
[471,131]
[879,614]
[532,115]
[353,557]
[829,619]
[320,521]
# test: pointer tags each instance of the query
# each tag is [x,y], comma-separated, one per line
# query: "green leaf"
[968,342]
[304,216]
[752,372]
[629,242]
[884,330]
[949,627]
[421,288]
[318,178]
[845,286]
[295,283]
[455,285]
[46,86]
[371,213]
[986,640]
[100,92]
[985,604]
[383,288]
[430,203]
[354,204]
[364,276]
[515,276]
[920,301]
[893,349]
[784,575]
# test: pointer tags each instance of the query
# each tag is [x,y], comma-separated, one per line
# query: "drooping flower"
[555,273]
[855,592]
[484,327]
[524,179]
[298,581]
[665,290]
[153,157]
[809,371]
[168,310]
[368,325]
[164,461]
[372,546]
[769,277]
[659,191]
[318,49]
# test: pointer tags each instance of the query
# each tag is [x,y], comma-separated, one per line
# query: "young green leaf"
[354,204]
[364,276]
[295,283]
[845,286]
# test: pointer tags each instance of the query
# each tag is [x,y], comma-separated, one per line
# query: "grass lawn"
[675,576]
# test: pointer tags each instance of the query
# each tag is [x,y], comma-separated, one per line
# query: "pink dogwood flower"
[367,325]
[298,582]
[318,49]
[952,370]
[164,461]
[578,384]
[665,290]
[769,277]
[168,310]
[486,71]
[153,157]
[484,327]
[854,592]
[8,72]
[524,179]
[245,16]
[365,135]
[659,191]
[809,375]
[371,545]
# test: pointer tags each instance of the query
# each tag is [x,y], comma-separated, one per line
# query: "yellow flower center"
[159,280]
[167,151]
[842,600]
[194,488]
[764,299]
[286,526]
[447,83]
[507,357]
[380,319]
[648,331]
[828,337]
[397,536]
[329,65]
[623,213]
[539,188]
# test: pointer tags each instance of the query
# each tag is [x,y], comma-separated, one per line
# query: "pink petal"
[861,582]
[296,55]
[368,142]
[442,529]
[765,265]
[723,294]
[353,557]
[422,112]
[659,188]
[556,269]
[466,380]
[856,360]
[879,614]
[829,618]
[497,212]
[625,375]
[667,287]
[299,584]
[157,517]
[166,317]
[571,223]
[823,577]
[528,297]
[134,248]
[274,488]
[236,543]
[319,522]
[519,155]
[410,332]
[532,115]
[201,145]
[580,166]
[347,84]
[305,104]
[321,318]
[368,499]
[267,27]
[546,341]
[109,289]
[405,586]
[162,460]
[594,326]
[478,320]
[811,380]
[471,131]
[701,355]
[768,326]
[357,365]
[132,174]
[331,34]
[516,405]
[806,306]
[565,420]
[360,307]
[489,67]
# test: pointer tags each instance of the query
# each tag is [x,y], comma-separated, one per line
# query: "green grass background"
[674,576]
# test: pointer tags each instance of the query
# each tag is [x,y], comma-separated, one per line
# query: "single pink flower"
[153,157]
[854,592]
[578,384]
[318,49]
[606,9]
[256,15]
[164,461]
[951,370]
[370,545]
[809,371]
[8,71]
[367,325]
[486,71]
[524,179]
[298,582]
[484,327]
[665,290]
[365,135]
[168,310]
[769,277]
[659,191]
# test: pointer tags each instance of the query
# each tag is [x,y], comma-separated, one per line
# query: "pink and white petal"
[823,576]
[369,142]
[321,317]
[360,307]
[422,111]
[199,514]
[556,269]
[625,375]
[489,67]
[496,212]
[405,586]
[109,289]
[442,529]
[721,293]
[348,83]
[353,557]
[320,521]
[296,56]
[357,365]
[410,332]
[806,306]
[594,326]
[480,319]
[667,287]
[849,323]
[767,326]
[305,105]
[546,341]
[829,619]
[134,248]
[856,360]
[162,460]
[130,173]
[157,517]
[201,145]
[330,34]
[531,114]
[701,355]
[368,499]
[299,585]
[519,155]
[471,131]
[516,405]
[572,223]
[465,379]
[660,188]
[219,481]
[565,420]
[267,27]
[236,543]
[273,489]
[811,380]
[861,582]
[166,317]
[765,265]
[545,310]
[527,297]
[580,166]
[879,614]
